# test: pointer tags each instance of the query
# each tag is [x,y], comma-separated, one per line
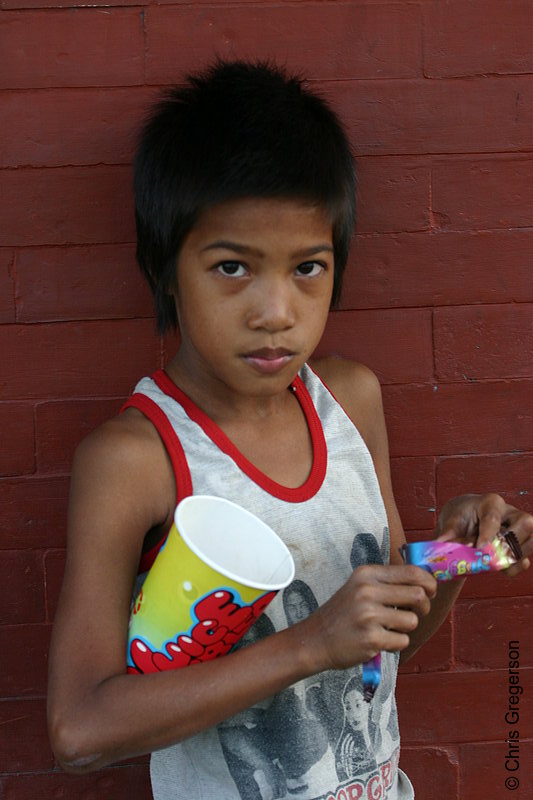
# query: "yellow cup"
[216,573]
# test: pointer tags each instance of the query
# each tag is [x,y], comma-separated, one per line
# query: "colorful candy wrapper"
[371,677]
[448,560]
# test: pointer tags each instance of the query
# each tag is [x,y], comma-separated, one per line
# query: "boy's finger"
[491,512]
[410,575]
[516,569]
[394,641]
[403,596]
[522,524]
[448,535]
[400,620]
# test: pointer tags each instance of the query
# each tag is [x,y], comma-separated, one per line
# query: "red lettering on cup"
[189,646]
[176,658]
[208,632]
[221,623]
[141,656]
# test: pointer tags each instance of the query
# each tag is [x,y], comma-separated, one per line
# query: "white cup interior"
[234,542]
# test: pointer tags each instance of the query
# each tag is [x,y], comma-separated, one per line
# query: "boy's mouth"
[268,359]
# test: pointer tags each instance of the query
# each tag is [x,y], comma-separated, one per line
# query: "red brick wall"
[437,97]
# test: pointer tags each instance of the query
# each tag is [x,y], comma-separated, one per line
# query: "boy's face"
[253,288]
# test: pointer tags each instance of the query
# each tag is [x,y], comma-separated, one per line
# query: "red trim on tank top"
[175,451]
[297,494]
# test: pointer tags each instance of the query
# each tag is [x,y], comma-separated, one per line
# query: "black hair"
[236,130]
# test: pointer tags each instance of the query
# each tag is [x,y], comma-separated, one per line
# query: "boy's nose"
[272,308]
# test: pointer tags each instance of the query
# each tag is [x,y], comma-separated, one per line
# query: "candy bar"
[448,560]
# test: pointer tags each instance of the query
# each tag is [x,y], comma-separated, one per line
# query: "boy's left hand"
[478,518]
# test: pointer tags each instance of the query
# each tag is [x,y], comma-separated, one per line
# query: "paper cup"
[216,573]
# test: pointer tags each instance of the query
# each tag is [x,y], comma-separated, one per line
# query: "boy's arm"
[477,517]
[359,392]
[122,487]
[447,593]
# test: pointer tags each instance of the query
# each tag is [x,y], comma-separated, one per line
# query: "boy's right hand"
[376,609]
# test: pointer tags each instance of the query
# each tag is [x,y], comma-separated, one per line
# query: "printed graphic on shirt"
[373,787]
[318,738]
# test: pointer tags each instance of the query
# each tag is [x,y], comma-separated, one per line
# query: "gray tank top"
[318,738]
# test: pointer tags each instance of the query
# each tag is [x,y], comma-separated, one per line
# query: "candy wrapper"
[371,677]
[448,560]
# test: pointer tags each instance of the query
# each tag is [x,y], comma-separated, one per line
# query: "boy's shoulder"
[354,385]
[129,436]
[126,455]
[357,389]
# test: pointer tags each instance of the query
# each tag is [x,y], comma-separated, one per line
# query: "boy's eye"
[232,269]
[310,268]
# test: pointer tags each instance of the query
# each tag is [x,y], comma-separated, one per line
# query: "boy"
[245,206]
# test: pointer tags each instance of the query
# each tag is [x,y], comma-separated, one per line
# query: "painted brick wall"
[438,100]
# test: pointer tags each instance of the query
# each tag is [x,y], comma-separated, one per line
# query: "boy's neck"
[222,405]
[271,432]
